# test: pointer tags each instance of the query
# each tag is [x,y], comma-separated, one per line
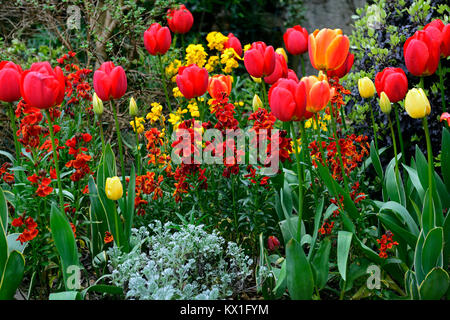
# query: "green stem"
[138,153]
[394,143]
[119,138]
[338,147]
[399,130]
[302,61]
[373,127]
[441,85]
[299,173]
[264,92]
[430,169]
[55,159]
[116,225]
[163,74]
[343,118]
[101,133]
[14,132]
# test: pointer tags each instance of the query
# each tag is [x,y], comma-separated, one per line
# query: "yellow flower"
[195,53]
[193,109]
[216,40]
[283,53]
[323,121]
[213,61]
[172,69]
[366,87]
[385,104]
[299,146]
[177,93]
[228,61]
[247,46]
[139,124]
[113,188]
[97,104]
[256,103]
[416,104]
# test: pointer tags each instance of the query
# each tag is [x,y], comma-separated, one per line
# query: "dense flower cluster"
[6,176]
[42,182]
[29,227]
[77,149]
[146,185]
[386,243]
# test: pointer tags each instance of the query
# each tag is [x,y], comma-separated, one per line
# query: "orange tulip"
[328,49]
[318,92]
[220,86]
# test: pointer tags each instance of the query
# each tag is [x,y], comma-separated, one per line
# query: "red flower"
[260,60]
[287,100]
[157,39]
[10,74]
[110,82]
[192,81]
[108,237]
[30,228]
[234,43]
[393,82]
[280,71]
[273,243]
[180,20]
[43,183]
[386,243]
[296,40]
[440,32]
[422,52]
[344,69]
[445,116]
[41,86]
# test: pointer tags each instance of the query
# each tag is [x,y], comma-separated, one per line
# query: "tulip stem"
[343,117]
[119,138]
[394,143]
[302,61]
[299,172]
[100,124]
[441,84]
[55,159]
[373,127]
[264,93]
[430,170]
[338,147]
[399,130]
[138,153]
[164,81]
[14,131]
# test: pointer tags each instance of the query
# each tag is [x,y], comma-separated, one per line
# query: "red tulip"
[296,40]
[110,82]
[287,100]
[422,52]
[180,20]
[393,82]
[219,86]
[280,71]
[234,43]
[292,75]
[443,35]
[192,81]
[273,243]
[10,74]
[344,69]
[260,60]
[41,86]
[157,39]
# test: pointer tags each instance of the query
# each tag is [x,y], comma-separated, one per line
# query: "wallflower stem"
[394,143]
[101,134]
[164,81]
[302,61]
[55,159]
[338,147]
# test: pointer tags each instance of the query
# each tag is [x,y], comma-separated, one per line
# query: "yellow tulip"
[97,104]
[366,87]
[257,103]
[283,53]
[113,188]
[133,107]
[257,80]
[416,104]
[385,103]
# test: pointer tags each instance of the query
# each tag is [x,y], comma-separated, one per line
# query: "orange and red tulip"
[220,86]
[344,69]
[328,49]
[318,92]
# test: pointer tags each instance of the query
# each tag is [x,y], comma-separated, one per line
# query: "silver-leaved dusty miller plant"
[187,263]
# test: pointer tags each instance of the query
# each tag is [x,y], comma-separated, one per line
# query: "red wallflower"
[386,243]
[29,226]
[42,182]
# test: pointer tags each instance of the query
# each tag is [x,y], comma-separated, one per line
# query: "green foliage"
[186,263]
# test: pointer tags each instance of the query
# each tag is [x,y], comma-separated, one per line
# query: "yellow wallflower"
[172,69]
[156,112]
[293,146]
[228,61]
[193,109]
[216,40]
[139,124]
[213,61]
[323,121]
[176,118]
[195,53]
[177,93]
[247,46]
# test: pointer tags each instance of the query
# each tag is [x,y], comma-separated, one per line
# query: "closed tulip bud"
[180,20]
[416,104]
[296,40]
[328,49]
[257,103]
[422,52]
[283,53]
[393,82]
[260,60]
[273,243]
[97,104]
[385,104]
[192,81]
[234,43]
[366,87]
[10,74]
[113,188]
[133,107]
[110,81]
[157,39]
[287,100]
